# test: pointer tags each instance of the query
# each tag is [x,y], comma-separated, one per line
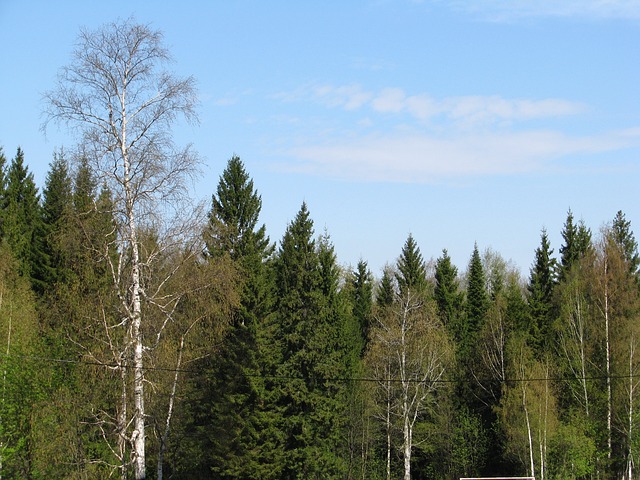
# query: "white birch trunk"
[167,426]
[543,453]
[138,436]
[406,428]
[122,424]
[630,417]
[4,384]
[388,424]
[123,107]
[407,450]
[608,359]
[528,423]
[583,355]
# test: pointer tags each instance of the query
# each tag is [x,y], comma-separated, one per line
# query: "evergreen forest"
[142,337]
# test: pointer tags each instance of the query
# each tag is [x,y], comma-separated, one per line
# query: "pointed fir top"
[386,292]
[57,192]
[477,298]
[577,241]
[624,238]
[412,270]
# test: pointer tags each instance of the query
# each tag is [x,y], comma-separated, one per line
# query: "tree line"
[143,337]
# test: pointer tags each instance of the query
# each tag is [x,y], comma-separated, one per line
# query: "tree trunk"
[529,434]
[406,414]
[388,424]
[138,435]
[407,449]
[608,361]
[583,356]
[4,385]
[167,426]
[138,393]
[122,424]
[629,473]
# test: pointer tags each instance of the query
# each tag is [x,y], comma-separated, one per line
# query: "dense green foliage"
[292,365]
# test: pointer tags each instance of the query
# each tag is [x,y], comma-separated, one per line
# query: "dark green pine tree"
[385,293]
[22,225]
[412,272]
[329,271]
[301,392]
[362,300]
[542,281]
[477,301]
[624,238]
[449,298]
[88,232]
[577,241]
[230,388]
[471,414]
[58,191]
[56,209]
[3,183]
[339,342]
[84,188]
[233,218]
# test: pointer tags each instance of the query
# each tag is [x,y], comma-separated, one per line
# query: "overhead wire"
[113,365]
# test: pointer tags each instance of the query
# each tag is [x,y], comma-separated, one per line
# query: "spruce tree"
[22,224]
[542,281]
[362,300]
[84,187]
[302,391]
[411,268]
[3,184]
[339,342]
[624,238]
[577,241]
[233,218]
[477,301]
[56,209]
[447,295]
[58,190]
[229,388]
[385,292]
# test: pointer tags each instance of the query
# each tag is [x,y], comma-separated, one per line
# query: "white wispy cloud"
[349,97]
[390,135]
[506,10]
[417,158]
[463,109]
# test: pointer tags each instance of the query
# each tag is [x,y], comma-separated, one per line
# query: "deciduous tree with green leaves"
[21,378]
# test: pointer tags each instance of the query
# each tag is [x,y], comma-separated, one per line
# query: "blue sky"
[456,121]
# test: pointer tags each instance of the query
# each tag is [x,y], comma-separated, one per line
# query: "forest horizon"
[146,336]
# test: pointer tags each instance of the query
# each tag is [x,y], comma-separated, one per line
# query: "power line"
[320,378]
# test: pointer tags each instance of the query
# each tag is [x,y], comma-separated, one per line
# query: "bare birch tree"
[576,337]
[617,301]
[410,343]
[117,98]
[528,409]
